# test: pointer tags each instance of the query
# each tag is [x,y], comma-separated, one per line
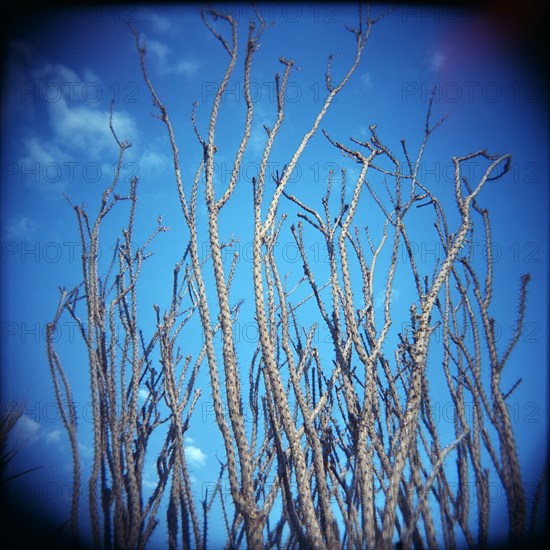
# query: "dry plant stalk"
[120,361]
[341,451]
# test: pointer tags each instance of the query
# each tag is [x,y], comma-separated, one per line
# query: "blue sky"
[60,76]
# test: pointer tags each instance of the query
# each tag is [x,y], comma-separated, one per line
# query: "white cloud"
[193,454]
[75,116]
[54,436]
[258,140]
[158,49]
[188,67]
[152,162]
[75,132]
[437,61]
[164,64]
[42,152]
[159,24]
[143,394]
[26,430]
[364,132]
[56,75]
[43,165]
[148,484]
[90,76]
[86,450]
[265,116]
[366,81]
[380,297]
[58,82]
[21,228]
[87,128]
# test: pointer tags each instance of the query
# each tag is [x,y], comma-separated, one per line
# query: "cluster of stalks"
[339,447]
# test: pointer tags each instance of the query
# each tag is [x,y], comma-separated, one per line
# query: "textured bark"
[341,448]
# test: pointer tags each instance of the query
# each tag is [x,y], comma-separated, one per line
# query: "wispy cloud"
[380,297]
[150,484]
[87,128]
[75,133]
[366,81]
[159,23]
[437,61]
[53,436]
[77,121]
[85,450]
[55,73]
[152,162]
[25,431]
[187,67]
[258,140]
[76,144]
[264,117]
[143,394]
[75,130]
[158,49]
[21,228]
[165,62]
[43,152]
[194,455]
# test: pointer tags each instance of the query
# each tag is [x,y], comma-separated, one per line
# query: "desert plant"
[341,449]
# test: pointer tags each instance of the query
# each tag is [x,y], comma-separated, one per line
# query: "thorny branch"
[340,448]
